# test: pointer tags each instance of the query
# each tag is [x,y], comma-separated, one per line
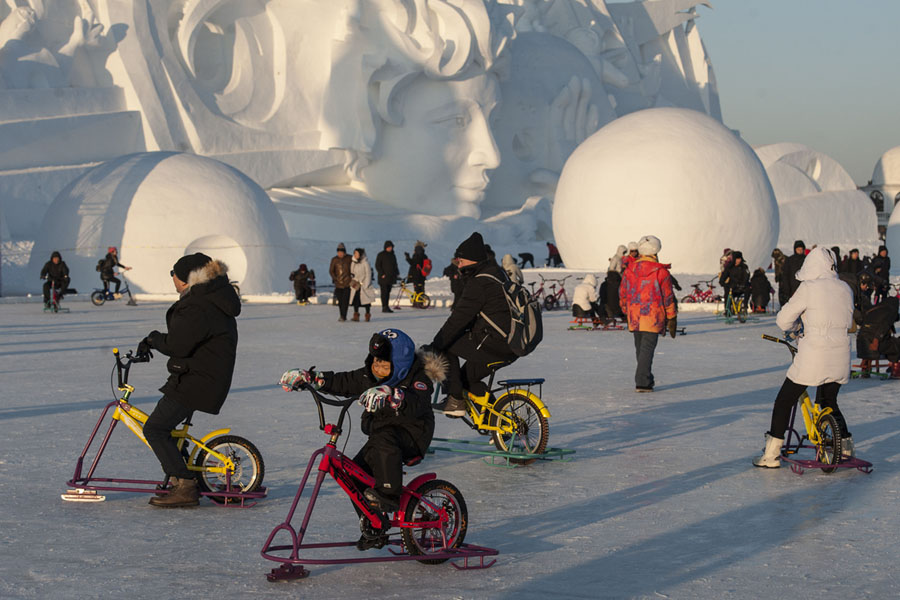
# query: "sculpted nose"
[485,153]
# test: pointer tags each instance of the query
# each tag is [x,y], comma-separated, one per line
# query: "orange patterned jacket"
[646,295]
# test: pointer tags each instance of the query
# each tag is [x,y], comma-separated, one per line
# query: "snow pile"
[674,173]
[156,207]
[817,199]
[887,169]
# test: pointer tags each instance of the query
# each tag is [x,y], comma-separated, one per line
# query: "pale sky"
[824,73]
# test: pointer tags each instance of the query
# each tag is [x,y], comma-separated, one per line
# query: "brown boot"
[368,317]
[185,492]
[355,317]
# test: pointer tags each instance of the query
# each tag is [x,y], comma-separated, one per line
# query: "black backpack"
[526,327]
[100,265]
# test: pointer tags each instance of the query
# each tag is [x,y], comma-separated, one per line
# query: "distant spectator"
[852,264]
[881,272]
[584,299]
[778,259]
[736,278]
[512,269]
[792,266]
[612,282]
[388,273]
[362,294]
[553,257]
[725,260]
[108,270]
[630,257]
[419,266]
[339,269]
[527,258]
[760,290]
[300,277]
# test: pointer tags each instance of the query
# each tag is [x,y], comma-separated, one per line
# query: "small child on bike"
[394,386]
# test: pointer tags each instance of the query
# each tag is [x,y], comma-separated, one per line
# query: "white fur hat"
[632,246]
[649,245]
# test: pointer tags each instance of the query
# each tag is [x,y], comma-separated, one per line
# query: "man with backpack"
[481,328]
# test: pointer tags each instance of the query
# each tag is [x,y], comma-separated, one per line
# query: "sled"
[799,465]
[82,495]
[595,324]
[865,368]
[498,458]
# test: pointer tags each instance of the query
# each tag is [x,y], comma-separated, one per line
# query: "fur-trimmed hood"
[208,272]
[435,365]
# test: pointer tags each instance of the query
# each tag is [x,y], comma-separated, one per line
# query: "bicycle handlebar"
[790,346]
[321,399]
[126,366]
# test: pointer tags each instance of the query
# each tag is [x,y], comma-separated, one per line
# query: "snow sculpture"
[884,188]
[28,58]
[674,173]
[156,207]
[578,65]
[817,199]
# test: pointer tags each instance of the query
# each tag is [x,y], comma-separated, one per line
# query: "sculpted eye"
[455,121]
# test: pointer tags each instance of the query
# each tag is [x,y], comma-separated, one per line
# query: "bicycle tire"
[528,419]
[828,450]
[422,541]
[550,302]
[98,298]
[231,445]
[422,301]
[688,300]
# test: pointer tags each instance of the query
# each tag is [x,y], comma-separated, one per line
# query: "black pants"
[107,280]
[644,347]
[613,281]
[383,455]
[469,376]
[167,415]
[60,288]
[385,293]
[343,299]
[554,260]
[826,397]
[595,311]
[301,292]
[418,286]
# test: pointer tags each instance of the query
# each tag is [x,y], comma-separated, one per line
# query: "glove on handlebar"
[293,379]
[143,349]
[376,398]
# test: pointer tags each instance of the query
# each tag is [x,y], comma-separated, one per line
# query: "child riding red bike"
[395,387]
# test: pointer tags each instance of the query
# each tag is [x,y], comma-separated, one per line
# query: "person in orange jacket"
[648,302]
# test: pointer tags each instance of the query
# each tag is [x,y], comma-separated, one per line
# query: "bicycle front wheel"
[98,298]
[422,541]
[550,302]
[530,429]
[249,468]
[687,300]
[829,449]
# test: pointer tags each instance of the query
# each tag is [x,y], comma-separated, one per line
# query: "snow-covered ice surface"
[660,502]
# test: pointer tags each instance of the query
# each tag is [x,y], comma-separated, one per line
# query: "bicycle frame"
[134,419]
[414,297]
[481,408]
[333,463]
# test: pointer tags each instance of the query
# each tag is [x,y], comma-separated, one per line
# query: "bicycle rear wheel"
[829,449]
[550,302]
[249,468]
[531,428]
[688,300]
[421,300]
[422,541]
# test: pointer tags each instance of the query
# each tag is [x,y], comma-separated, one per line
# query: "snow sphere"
[158,206]
[674,173]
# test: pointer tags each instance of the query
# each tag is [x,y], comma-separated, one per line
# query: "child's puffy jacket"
[646,295]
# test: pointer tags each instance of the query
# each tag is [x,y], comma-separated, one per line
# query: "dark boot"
[185,492]
[355,316]
[452,407]
[368,317]
[379,500]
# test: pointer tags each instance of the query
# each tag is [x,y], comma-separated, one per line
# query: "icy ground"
[660,502]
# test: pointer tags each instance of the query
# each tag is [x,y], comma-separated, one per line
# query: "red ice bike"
[432,517]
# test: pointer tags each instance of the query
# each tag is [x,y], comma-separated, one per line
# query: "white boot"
[847,449]
[771,457]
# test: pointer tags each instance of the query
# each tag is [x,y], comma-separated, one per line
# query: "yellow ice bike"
[230,468]
[416,299]
[517,421]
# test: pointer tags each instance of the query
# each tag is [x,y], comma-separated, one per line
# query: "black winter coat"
[479,294]
[789,274]
[415,415]
[760,286]
[878,324]
[736,277]
[851,265]
[201,344]
[110,262]
[58,272]
[386,268]
[416,263]
[300,278]
[881,269]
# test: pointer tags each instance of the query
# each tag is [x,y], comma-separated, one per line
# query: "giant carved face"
[437,161]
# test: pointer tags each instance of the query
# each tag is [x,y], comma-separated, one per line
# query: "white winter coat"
[585,292]
[615,261]
[361,272]
[512,269]
[824,304]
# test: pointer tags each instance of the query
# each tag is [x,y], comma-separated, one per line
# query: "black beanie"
[799,244]
[190,263]
[472,248]
[388,244]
